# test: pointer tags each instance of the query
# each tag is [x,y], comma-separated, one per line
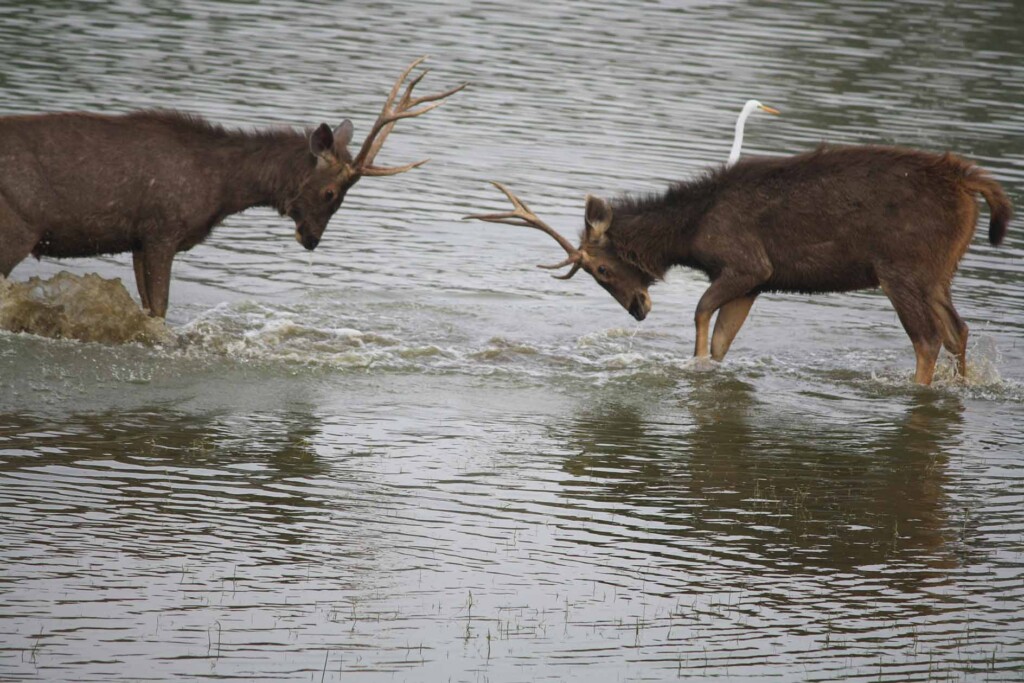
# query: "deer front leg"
[731,317]
[139,265]
[157,276]
[727,287]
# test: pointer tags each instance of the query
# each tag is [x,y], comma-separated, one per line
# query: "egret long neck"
[737,141]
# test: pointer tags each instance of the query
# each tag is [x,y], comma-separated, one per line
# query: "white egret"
[737,143]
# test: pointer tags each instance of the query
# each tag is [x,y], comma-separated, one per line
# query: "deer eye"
[329,196]
[601,270]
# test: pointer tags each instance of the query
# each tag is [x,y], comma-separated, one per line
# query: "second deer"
[832,220]
[156,183]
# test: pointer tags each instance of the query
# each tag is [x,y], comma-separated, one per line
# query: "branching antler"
[390,114]
[522,215]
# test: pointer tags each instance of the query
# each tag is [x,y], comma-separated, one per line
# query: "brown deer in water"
[833,220]
[157,182]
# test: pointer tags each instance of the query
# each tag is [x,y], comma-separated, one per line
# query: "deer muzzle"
[306,239]
[641,306]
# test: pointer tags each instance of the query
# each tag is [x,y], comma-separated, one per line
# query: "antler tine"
[560,264]
[530,219]
[429,98]
[522,215]
[519,204]
[398,83]
[379,125]
[572,271]
[391,170]
[389,122]
[386,128]
[390,114]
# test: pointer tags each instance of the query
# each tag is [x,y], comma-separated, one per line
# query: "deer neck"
[264,169]
[656,237]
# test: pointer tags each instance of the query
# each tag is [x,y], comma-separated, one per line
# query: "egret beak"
[768,110]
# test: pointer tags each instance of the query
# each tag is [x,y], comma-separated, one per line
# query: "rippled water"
[415,457]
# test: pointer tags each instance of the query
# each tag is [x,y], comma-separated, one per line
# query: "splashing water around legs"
[88,308]
[982,360]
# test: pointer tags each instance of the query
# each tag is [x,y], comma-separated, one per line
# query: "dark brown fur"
[832,220]
[153,183]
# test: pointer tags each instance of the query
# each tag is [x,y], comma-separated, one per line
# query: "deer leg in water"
[139,265]
[157,266]
[725,288]
[921,325]
[954,329]
[729,321]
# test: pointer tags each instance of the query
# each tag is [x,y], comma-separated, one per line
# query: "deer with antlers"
[833,220]
[156,183]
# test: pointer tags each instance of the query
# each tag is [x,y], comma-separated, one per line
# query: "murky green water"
[414,457]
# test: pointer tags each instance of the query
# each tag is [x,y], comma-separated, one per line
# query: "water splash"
[629,347]
[698,364]
[982,366]
[983,381]
[87,308]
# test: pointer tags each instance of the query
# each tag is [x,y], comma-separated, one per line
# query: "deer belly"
[81,240]
[823,267]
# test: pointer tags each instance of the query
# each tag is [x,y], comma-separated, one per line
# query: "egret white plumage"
[737,143]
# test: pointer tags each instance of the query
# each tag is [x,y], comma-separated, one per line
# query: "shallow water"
[415,457]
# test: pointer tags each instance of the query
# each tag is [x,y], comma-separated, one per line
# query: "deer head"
[323,191]
[596,254]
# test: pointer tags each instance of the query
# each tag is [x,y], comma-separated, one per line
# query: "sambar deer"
[156,183]
[832,220]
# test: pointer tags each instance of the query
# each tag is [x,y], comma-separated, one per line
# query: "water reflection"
[782,490]
[151,474]
[816,524]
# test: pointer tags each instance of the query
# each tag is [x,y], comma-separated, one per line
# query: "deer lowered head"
[321,193]
[597,255]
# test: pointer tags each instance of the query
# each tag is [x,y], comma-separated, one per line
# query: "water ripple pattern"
[411,456]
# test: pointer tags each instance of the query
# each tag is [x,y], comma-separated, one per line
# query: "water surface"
[412,456]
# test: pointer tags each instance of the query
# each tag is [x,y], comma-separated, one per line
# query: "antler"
[390,113]
[523,216]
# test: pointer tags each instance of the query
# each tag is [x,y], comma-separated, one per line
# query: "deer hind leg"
[138,263]
[954,330]
[731,317]
[17,237]
[157,276]
[727,287]
[920,322]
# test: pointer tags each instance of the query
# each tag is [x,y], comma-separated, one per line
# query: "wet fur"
[107,184]
[823,221]
[154,183]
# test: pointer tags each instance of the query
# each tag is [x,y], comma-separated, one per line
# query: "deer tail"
[1000,210]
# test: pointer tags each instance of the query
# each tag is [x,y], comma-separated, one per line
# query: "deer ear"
[343,134]
[321,142]
[598,216]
